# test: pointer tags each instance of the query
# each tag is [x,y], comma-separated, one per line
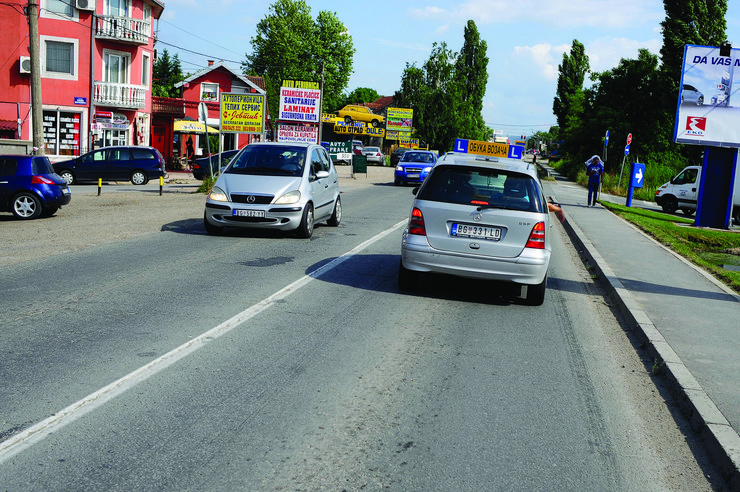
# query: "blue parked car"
[200,166]
[414,166]
[29,187]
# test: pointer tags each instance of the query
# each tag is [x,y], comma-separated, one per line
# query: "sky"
[526,41]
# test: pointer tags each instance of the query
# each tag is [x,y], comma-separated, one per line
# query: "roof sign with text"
[242,113]
[300,101]
[706,114]
[490,149]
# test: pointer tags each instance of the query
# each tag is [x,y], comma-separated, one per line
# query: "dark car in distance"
[137,164]
[29,188]
[397,154]
[200,166]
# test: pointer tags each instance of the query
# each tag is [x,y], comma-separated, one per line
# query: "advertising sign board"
[242,113]
[705,114]
[340,151]
[298,133]
[399,119]
[300,101]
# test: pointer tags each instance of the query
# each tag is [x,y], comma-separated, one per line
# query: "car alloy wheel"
[139,178]
[26,206]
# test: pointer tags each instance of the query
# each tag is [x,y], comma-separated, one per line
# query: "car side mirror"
[321,175]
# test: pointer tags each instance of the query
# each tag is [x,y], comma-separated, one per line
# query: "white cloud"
[544,57]
[555,13]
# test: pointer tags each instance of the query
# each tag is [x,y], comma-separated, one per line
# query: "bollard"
[161,184]
[100,185]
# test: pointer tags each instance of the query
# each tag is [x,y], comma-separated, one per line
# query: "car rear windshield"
[41,165]
[489,188]
[272,160]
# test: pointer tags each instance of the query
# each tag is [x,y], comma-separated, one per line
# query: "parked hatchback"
[29,188]
[200,166]
[414,166]
[123,163]
[479,217]
[374,156]
[270,185]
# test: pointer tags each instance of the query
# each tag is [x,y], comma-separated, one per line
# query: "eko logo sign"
[696,125]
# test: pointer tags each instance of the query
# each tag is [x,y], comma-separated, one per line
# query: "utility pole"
[37,112]
[321,101]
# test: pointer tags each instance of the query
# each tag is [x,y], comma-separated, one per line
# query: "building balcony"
[123,29]
[124,96]
[168,106]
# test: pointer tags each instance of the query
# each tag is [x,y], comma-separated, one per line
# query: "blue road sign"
[638,175]
[627,150]
[607,138]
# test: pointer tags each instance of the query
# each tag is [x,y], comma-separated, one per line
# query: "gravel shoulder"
[91,220]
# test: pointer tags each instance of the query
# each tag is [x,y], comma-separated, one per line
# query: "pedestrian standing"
[595,172]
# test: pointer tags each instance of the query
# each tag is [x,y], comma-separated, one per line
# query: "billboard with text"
[708,111]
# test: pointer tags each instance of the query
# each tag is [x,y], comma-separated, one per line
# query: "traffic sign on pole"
[627,149]
[629,139]
[606,141]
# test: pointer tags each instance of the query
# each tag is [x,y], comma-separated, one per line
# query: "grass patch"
[707,248]
[207,184]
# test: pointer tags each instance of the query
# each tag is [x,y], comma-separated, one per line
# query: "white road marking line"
[41,430]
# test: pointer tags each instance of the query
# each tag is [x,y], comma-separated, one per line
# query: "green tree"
[165,74]
[471,75]
[361,95]
[291,45]
[572,73]
[435,92]
[699,22]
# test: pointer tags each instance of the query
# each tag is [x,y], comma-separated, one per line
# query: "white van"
[681,193]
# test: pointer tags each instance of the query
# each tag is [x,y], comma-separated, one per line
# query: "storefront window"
[62,133]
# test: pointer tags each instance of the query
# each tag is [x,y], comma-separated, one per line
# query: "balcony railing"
[124,29]
[120,95]
[168,106]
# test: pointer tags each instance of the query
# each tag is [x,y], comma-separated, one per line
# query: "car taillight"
[41,180]
[416,223]
[537,236]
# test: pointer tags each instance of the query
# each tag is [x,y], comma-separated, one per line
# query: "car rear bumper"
[529,268]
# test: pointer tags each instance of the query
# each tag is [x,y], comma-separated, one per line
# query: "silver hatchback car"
[479,217]
[283,186]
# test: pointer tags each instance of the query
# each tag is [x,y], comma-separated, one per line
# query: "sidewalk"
[687,319]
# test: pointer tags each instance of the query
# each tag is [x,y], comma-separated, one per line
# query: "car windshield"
[486,188]
[372,149]
[417,157]
[271,160]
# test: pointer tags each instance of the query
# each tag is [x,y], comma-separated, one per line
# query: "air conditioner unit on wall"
[25,64]
[85,4]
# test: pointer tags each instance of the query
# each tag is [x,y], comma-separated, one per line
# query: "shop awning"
[8,125]
[184,126]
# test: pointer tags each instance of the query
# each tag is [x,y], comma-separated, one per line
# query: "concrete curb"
[721,440]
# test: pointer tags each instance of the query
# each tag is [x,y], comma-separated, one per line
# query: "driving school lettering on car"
[488,148]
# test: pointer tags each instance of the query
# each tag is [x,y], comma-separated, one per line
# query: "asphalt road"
[168,359]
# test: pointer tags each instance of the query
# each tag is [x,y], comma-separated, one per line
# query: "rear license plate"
[249,213]
[476,232]
[65,191]
[412,175]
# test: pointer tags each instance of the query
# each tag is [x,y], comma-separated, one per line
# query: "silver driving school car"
[283,186]
[479,216]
